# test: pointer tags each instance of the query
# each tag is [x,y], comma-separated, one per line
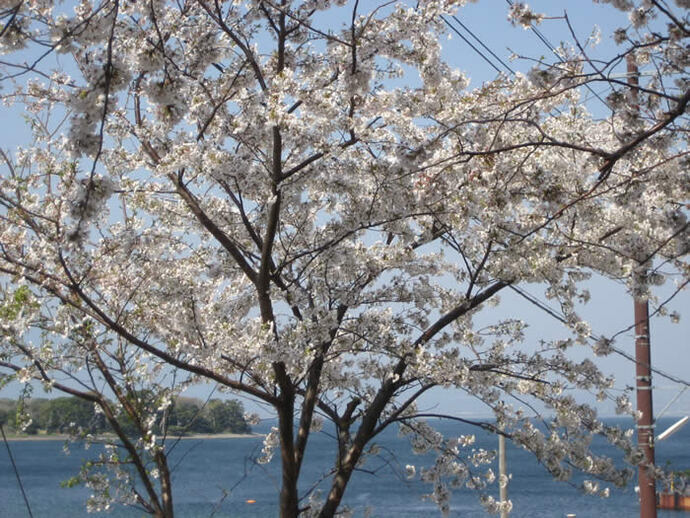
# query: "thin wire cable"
[457,20]
[673,400]
[16,472]
[471,45]
[553,50]
[545,41]
[545,307]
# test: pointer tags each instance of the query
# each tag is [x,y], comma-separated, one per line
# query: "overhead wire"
[668,405]
[495,56]
[548,44]
[550,311]
[457,20]
[456,31]
[16,472]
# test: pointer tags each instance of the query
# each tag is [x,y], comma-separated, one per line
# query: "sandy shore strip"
[219,436]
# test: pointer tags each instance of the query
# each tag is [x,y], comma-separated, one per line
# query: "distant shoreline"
[62,437]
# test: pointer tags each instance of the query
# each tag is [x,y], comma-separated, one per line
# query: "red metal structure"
[645,423]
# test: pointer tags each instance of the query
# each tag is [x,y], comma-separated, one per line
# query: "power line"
[547,309]
[471,45]
[16,472]
[546,42]
[482,44]
[668,405]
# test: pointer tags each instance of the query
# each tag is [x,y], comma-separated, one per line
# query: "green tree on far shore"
[67,414]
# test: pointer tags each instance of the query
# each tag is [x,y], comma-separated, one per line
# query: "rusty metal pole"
[645,423]
[643,370]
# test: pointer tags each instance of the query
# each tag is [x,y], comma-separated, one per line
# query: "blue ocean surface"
[217,478]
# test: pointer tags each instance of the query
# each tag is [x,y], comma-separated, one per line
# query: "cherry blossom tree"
[312,213]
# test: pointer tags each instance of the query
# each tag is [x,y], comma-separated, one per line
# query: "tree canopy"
[312,214]
[73,414]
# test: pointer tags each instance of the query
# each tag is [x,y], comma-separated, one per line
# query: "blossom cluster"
[323,218]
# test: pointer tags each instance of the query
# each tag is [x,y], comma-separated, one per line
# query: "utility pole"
[645,423]
[643,369]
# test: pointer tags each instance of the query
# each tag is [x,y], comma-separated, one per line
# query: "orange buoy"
[250,501]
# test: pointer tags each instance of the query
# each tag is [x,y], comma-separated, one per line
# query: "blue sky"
[610,309]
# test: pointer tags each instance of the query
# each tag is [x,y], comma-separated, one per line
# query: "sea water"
[221,478]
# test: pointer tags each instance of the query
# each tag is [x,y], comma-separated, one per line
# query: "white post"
[502,475]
